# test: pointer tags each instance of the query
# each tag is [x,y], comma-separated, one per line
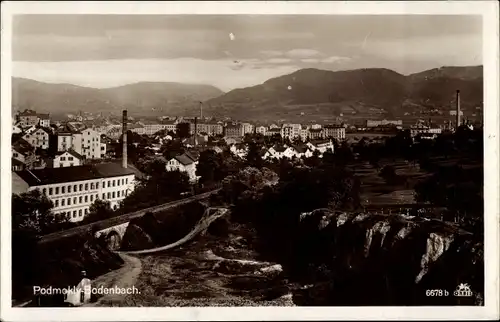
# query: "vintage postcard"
[249,160]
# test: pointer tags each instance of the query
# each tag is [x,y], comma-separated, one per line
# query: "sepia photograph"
[232,159]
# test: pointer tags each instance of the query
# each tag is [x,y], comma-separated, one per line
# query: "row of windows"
[64,158]
[79,213]
[84,187]
[87,198]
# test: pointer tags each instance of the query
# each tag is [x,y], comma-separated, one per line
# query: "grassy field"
[376,191]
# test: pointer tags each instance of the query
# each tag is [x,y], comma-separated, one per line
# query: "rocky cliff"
[373,259]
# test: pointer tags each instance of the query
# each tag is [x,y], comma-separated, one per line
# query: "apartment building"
[27,118]
[233,131]
[334,131]
[293,130]
[44,120]
[86,143]
[247,128]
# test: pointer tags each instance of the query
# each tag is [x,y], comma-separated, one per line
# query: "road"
[122,219]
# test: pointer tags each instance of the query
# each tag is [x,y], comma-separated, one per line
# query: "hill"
[359,93]
[139,98]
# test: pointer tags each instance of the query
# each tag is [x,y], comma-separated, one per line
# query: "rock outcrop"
[374,259]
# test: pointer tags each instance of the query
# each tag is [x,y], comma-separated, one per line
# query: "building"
[375,123]
[321,146]
[44,120]
[73,189]
[137,128]
[209,127]
[292,130]
[424,129]
[273,131]
[27,118]
[279,151]
[302,151]
[23,152]
[334,132]
[38,138]
[304,134]
[261,130]
[315,133]
[183,163]
[239,149]
[247,128]
[233,131]
[16,129]
[316,126]
[68,158]
[86,142]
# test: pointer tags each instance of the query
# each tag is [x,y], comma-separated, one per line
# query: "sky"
[233,51]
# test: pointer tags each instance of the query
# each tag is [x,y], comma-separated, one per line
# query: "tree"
[172,148]
[388,173]
[211,167]
[99,210]
[183,130]
[253,156]
[31,212]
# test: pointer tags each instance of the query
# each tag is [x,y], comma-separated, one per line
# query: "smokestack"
[201,110]
[124,138]
[458,108]
[195,131]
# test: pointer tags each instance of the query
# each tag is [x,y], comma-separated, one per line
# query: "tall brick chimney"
[458,108]
[201,111]
[124,136]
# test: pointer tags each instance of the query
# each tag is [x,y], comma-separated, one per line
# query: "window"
[86,198]
[74,213]
[44,191]
[63,189]
[113,194]
[114,183]
[50,191]
[81,187]
[70,158]
[15,155]
[86,210]
[97,185]
[97,196]
[75,188]
[79,213]
[74,200]
[103,196]
[69,189]
[57,190]
[109,183]
[91,186]
[63,158]
[91,198]
[62,202]
[86,186]
[57,203]
[126,181]
[69,201]
[80,199]
[118,193]
[109,195]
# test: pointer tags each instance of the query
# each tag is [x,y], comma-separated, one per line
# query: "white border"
[489,11]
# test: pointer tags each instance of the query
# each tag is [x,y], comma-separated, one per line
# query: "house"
[29,129]
[320,145]
[217,149]
[279,151]
[183,163]
[73,189]
[302,151]
[23,152]
[239,149]
[17,165]
[68,158]
[38,138]
[16,129]
[44,120]
[27,118]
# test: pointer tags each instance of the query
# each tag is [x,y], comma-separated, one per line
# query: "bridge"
[114,228]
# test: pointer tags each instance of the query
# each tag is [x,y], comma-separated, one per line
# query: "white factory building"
[73,189]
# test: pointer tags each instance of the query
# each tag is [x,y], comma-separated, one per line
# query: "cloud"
[302,53]
[278,60]
[272,53]
[310,60]
[335,59]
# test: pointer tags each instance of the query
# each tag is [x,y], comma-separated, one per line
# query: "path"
[124,277]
